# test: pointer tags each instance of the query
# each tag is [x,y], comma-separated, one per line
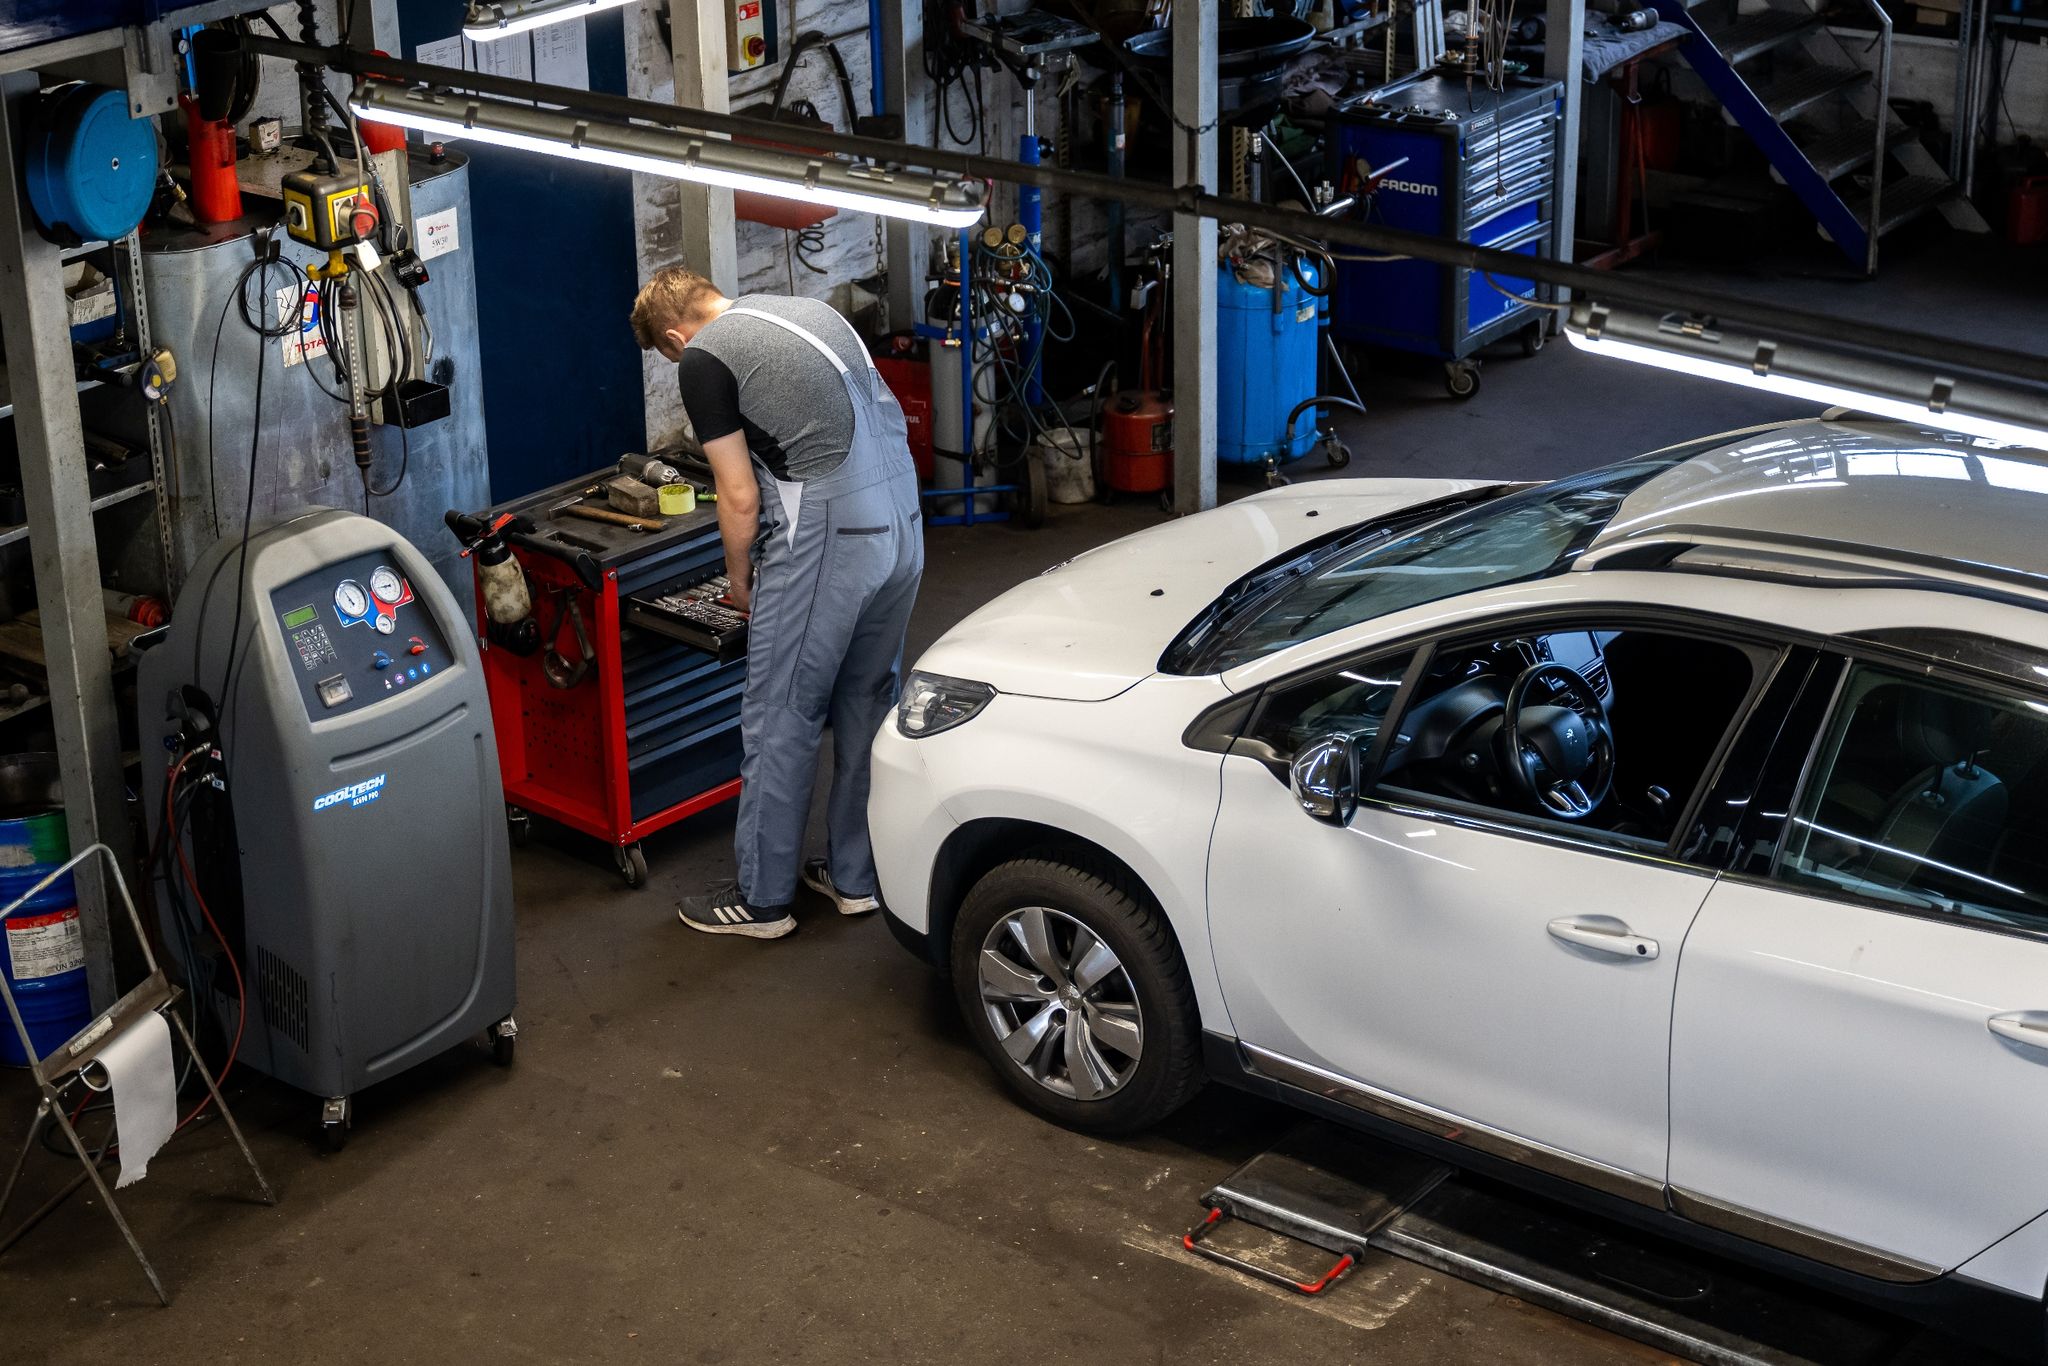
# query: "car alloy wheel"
[1061,1004]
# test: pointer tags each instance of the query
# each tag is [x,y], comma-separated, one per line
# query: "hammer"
[575,508]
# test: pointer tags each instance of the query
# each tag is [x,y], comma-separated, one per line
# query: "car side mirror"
[1324,779]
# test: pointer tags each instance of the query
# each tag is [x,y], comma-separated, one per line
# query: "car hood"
[1088,629]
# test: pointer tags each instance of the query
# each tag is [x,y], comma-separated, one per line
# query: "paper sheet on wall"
[445,52]
[145,1086]
[510,56]
[561,55]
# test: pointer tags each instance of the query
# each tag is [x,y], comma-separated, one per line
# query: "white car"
[1672,837]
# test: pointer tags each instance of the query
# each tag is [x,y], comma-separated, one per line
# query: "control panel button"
[334,691]
[380,660]
[416,646]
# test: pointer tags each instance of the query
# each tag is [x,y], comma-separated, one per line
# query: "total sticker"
[45,945]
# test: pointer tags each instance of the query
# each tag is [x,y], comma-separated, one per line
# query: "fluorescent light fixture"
[808,178]
[486,21]
[2007,414]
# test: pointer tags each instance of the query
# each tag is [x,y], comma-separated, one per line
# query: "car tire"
[1147,987]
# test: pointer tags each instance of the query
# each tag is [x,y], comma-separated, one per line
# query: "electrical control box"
[329,211]
[749,34]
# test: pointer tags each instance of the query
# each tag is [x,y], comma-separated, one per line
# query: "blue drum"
[43,955]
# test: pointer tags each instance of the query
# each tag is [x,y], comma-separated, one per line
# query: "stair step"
[1850,147]
[1752,35]
[1906,198]
[1792,95]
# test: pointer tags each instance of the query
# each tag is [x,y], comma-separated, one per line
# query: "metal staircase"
[1820,111]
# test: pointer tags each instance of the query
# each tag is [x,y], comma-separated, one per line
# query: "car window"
[1528,535]
[1353,700]
[1928,796]
[1616,730]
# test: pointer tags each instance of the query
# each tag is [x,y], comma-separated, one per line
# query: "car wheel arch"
[980,846]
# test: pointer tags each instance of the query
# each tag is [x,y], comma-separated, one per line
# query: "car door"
[1462,965]
[1859,1051]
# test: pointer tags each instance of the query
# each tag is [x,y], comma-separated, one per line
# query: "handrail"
[1884,122]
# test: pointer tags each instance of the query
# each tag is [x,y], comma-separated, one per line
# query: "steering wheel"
[1560,758]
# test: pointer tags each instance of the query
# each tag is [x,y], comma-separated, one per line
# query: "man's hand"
[739,512]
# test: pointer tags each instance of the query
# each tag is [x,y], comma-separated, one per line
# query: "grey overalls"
[836,564]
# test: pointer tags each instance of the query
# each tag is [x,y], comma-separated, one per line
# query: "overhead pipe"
[1946,354]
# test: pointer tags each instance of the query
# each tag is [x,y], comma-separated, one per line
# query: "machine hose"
[1319,401]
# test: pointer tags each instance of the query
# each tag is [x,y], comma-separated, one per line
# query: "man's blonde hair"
[673,297]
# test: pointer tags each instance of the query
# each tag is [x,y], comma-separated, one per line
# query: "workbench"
[649,732]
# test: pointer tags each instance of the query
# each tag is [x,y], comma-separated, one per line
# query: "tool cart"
[616,697]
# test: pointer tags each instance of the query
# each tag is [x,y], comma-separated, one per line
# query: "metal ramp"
[1819,111]
[1350,1195]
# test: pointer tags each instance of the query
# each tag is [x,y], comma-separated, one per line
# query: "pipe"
[1319,401]
[878,88]
[1945,354]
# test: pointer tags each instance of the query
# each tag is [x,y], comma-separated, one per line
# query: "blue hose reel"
[91,169]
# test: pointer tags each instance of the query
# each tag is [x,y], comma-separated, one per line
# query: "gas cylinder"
[1137,441]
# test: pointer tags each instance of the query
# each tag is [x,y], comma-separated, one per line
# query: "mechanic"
[818,507]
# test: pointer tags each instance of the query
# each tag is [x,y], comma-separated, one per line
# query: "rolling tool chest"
[620,714]
[1475,165]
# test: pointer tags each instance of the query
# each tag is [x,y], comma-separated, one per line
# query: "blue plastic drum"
[91,169]
[43,956]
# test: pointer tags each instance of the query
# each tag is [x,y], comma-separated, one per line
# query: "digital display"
[298,616]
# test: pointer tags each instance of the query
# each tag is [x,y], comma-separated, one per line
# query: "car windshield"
[1527,535]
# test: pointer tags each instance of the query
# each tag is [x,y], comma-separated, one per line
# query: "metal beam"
[63,548]
[907,245]
[1194,258]
[1619,287]
[697,38]
[1564,48]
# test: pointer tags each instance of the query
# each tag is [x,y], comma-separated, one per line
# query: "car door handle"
[2029,1027]
[1603,934]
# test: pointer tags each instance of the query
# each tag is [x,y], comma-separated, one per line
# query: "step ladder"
[1819,109]
[1352,1196]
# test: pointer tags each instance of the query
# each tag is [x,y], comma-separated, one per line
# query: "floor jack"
[1350,1195]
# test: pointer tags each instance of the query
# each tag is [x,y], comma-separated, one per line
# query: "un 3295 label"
[355,794]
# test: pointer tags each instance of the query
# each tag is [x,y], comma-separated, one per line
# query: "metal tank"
[302,456]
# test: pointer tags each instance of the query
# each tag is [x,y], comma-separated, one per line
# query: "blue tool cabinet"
[1476,165]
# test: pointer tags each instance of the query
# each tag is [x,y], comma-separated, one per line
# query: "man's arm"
[739,511]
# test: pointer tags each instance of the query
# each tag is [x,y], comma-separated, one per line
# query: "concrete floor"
[727,1151]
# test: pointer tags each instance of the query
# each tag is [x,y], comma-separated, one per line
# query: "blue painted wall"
[555,265]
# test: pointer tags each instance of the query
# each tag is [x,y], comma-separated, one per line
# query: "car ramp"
[1352,1196]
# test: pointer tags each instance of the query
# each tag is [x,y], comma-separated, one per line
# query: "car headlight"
[931,703]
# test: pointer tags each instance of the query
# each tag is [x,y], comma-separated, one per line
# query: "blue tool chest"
[1476,165]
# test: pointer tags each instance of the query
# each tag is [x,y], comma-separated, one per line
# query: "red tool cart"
[616,701]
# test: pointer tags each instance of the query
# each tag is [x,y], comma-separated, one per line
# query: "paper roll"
[138,1071]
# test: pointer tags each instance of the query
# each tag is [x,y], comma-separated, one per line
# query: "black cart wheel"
[1275,479]
[336,1116]
[504,1042]
[518,826]
[631,861]
[1028,503]
[1335,452]
[1533,337]
[1075,991]
[1461,378]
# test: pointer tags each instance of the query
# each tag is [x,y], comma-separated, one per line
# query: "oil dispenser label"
[355,794]
[308,341]
[45,945]
[437,234]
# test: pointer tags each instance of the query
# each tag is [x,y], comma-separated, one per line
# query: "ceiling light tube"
[486,20]
[2009,413]
[810,179]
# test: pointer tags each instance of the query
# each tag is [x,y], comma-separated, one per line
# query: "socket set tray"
[695,616]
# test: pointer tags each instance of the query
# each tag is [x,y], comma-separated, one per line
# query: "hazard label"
[45,945]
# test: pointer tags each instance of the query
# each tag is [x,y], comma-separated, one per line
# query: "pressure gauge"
[385,585]
[350,601]
[386,625]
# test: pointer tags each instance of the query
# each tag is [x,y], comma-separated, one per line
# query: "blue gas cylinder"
[91,169]
[43,956]
[1265,365]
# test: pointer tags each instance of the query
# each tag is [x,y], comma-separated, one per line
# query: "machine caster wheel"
[1532,338]
[631,860]
[1276,480]
[1335,453]
[504,1041]
[1461,378]
[518,827]
[336,1117]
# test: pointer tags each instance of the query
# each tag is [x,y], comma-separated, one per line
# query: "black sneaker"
[722,910]
[818,878]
